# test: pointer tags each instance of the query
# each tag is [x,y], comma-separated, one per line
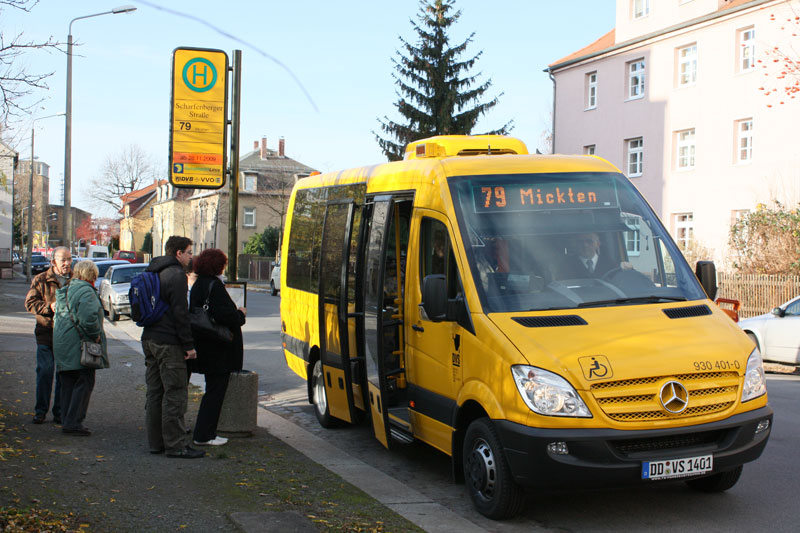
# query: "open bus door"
[337,300]
[383,337]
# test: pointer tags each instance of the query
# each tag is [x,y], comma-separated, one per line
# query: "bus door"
[383,282]
[337,302]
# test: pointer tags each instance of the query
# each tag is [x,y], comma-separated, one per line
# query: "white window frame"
[686,149]
[636,74]
[687,65]
[744,140]
[635,157]
[640,8]
[249,182]
[747,49]
[589,149]
[249,212]
[591,90]
[633,237]
[684,229]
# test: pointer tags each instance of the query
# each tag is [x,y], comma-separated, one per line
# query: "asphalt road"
[763,499]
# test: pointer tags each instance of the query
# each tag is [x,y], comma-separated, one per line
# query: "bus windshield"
[569,240]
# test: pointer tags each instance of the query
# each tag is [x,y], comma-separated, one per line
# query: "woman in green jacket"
[79,317]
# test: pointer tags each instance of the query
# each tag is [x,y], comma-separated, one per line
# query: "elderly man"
[41,301]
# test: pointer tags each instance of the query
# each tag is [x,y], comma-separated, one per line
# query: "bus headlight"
[546,393]
[755,382]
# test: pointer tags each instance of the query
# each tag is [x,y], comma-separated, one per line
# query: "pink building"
[685,97]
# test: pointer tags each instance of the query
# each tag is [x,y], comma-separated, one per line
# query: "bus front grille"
[637,400]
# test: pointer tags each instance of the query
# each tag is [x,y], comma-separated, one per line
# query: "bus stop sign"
[198,118]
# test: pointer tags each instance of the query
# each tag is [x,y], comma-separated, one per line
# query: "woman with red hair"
[216,359]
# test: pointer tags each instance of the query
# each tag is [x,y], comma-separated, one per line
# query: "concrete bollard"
[240,407]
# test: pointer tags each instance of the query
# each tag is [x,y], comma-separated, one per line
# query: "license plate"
[673,468]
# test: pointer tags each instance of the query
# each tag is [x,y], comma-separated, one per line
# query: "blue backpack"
[145,299]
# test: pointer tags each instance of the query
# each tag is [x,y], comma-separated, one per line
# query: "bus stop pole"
[233,215]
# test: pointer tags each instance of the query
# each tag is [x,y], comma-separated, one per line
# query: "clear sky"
[340,51]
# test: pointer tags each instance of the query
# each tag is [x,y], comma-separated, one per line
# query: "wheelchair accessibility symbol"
[595,367]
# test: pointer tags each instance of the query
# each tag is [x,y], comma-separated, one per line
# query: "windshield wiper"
[652,299]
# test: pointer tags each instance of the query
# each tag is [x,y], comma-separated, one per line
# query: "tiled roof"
[606,41]
[126,198]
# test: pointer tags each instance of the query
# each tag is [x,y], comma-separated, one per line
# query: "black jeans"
[76,389]
[205,429]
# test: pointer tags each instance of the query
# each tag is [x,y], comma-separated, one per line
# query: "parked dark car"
[39,263]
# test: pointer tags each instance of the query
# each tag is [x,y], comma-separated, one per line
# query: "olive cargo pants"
[167,390]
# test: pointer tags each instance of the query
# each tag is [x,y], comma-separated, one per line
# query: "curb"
[400,498]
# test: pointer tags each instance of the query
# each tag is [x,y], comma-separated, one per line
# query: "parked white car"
[114,289]
[275,279]
[777,333]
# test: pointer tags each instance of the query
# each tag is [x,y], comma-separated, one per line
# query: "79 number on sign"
[185,125]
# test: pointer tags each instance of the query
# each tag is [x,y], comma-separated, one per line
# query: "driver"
[587,260]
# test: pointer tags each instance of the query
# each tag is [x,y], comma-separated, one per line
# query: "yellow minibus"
[527,315]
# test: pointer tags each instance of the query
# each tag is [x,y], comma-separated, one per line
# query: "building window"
[591,90]
[747,49]
[744,140]
[636,79]
[151,212]
[687,65]
[684,229]
[249,182]
[641,8]
[249,217]
[633,236]
[635,156]
[736,214]
[588,149]
[686,149]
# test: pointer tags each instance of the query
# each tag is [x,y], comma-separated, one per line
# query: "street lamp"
[30,199]
[27,255]
[51,216]
[68,128]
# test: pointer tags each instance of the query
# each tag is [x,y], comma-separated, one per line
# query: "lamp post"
[51,216]
[68,236]
[28,253]
[30,199]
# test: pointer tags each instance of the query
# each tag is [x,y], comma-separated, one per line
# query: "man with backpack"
[167,344]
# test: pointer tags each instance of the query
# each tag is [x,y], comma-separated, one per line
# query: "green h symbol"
[196,74]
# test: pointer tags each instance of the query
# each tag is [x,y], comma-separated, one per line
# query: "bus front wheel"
[487,474]
[320,397]
[716,482]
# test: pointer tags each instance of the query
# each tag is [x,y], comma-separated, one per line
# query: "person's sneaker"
[216,441]
[57,420]
[38,419]
[188,453]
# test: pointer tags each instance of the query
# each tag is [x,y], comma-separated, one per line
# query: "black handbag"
[91,352]
[203,324]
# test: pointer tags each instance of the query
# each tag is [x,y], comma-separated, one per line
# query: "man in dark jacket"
[167,345]
[41,301]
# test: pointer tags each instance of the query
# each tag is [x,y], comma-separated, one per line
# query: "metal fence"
[758,293]
[255,268]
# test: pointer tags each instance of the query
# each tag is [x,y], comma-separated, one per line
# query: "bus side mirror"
[434,297]
[706,273]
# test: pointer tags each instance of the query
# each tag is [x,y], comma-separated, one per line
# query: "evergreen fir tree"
[434,98]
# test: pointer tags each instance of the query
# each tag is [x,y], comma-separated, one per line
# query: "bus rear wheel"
[487,474]
[320,398]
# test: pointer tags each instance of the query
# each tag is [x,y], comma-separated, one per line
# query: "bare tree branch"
[16,82]
[124,172]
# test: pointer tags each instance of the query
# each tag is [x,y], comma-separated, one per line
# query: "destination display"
[543,196]
[198,118]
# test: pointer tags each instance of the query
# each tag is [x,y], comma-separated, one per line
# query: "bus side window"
[436,254]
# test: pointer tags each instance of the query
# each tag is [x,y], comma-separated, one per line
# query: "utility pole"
[233,215]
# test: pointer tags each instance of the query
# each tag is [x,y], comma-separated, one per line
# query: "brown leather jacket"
[41,294]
